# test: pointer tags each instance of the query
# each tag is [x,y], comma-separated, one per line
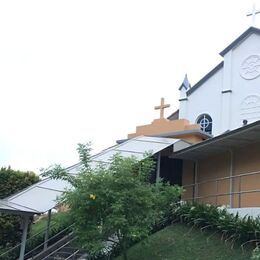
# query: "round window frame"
[210,122]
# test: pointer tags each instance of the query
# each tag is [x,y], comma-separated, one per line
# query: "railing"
[16,247]
[14,251]
[61,247]
[216,183]
[40,247]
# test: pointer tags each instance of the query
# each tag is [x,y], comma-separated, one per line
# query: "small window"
[205,122]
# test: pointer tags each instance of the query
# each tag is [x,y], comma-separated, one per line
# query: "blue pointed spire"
[185,84]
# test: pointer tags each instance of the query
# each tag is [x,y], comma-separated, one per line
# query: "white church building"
[228,97]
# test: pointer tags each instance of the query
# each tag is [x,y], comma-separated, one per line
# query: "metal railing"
[40,247]
[16,247]
[216,183]
[15,250]
[61,247]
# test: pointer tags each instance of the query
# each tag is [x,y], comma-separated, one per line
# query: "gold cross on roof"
[162,107]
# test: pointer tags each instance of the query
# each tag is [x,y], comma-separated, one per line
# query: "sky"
[79,71]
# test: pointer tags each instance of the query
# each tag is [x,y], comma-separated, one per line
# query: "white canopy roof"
[43,195]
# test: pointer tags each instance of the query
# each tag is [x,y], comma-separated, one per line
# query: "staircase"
[65,251]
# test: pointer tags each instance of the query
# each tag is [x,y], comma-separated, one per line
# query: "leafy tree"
[12,181]
[116,203]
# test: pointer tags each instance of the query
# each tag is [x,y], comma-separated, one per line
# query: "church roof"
[205,78]
[227,141]
[244,35]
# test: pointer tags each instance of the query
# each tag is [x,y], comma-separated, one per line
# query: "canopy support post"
[46,237]
[231,179]
[24,236]
[158,167]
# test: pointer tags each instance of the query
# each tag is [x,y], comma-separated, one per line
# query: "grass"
[179,242]
[56,220]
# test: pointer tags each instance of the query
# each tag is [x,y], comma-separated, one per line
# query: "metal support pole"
[47,230]
[216,192]
[158,167]
[239,194]
[24,237]
[196,185]
[231,180]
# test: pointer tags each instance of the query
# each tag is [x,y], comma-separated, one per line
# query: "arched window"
[205,122]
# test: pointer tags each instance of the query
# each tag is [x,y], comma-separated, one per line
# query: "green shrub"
[12,181]
[232,227]
[256,254]
[116,202]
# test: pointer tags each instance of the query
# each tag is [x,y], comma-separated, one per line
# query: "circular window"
[205,122]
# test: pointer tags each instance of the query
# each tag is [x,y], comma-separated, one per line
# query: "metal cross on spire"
[162,107]
[253,14]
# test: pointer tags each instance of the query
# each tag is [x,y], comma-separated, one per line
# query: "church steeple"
[185,84]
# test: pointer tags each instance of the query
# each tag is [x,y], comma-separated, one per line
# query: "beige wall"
[245,160]
[167,128]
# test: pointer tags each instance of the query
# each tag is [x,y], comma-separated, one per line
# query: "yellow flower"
[92,196]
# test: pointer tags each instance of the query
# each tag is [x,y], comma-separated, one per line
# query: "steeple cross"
[253,14]
[162,107]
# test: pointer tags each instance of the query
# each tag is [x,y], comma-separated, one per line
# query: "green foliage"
[12,181]
[116,203]
[57,172]
[84,153]
[233,228]
[256,254]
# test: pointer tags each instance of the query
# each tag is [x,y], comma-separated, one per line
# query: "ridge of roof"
[244,35]
[205,78]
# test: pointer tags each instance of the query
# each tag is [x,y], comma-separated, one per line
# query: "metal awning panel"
[137,147]
[106,157]
[58,185]
[43,195]
[7,206]
[38,199]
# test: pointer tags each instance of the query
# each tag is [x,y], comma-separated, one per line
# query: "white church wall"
[245,81]
[205,100]
[232,94]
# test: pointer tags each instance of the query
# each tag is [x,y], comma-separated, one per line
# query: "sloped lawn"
[179,242]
